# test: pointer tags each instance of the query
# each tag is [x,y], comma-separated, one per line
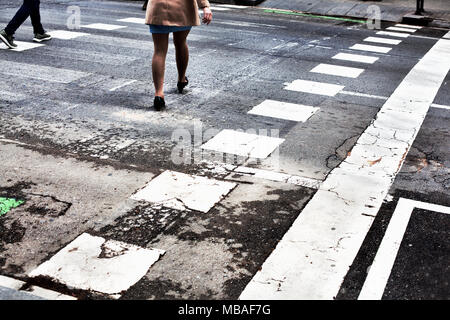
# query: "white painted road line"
[66,35]
[381,267]
[184,192]
[365,47]
[217,8]
[22,46]
[249,24]
[401,29]
[231,6]
[393,34]
[92,263]
[243,144]
[103,26]
[440,106]
[122,85]
[314,256]
[407,26]
[340,71]
[277,176]
[133,20]
[284,110]
[358,94]
[447,35]
[355,58]
[383,40]
[314,87]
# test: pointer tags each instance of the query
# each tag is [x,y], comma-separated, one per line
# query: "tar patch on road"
[422,263]
[140,225]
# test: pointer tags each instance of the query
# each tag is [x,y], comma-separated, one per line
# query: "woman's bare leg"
[181,53]
[161,44]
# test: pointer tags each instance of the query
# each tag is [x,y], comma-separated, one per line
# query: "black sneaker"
[39,37]
[7,39]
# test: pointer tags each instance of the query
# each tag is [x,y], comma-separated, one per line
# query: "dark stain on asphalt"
[157,288]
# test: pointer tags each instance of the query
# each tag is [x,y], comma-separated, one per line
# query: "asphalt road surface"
[307,159]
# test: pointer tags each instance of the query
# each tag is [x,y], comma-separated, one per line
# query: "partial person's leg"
[35,16]
[19,18]
[161,45]
[181,53]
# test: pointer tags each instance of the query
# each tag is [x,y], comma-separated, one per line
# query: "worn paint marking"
[6,204]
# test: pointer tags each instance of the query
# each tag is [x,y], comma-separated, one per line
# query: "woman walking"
[177,17]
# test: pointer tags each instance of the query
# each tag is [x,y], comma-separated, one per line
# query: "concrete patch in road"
[184,192]
[93,263]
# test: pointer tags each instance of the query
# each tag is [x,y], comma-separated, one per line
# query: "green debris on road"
[7,204]
[295,13]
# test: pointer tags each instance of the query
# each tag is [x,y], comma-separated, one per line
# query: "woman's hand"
[207,15]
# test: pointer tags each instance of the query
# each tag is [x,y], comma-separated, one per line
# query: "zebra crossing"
[79,265]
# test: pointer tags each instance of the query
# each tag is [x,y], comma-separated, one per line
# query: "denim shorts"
[167,29]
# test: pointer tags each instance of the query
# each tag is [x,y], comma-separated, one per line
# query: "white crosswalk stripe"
[66,35]
[401,29]
[382,40]
[369,48]
[22,46]
[393,34]
[133,20]
[243,144]
[314,87]
[284,110]
[335,70]
[408,26]
[355,58]
[103,26]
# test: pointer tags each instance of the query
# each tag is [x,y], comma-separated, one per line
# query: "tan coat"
[174,12]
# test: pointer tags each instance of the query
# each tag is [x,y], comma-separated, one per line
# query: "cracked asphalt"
[75,150]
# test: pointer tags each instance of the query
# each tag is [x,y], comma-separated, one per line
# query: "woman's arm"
[207,14]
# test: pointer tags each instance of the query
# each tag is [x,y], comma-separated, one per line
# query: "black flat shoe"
[181,85]
[159,103]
